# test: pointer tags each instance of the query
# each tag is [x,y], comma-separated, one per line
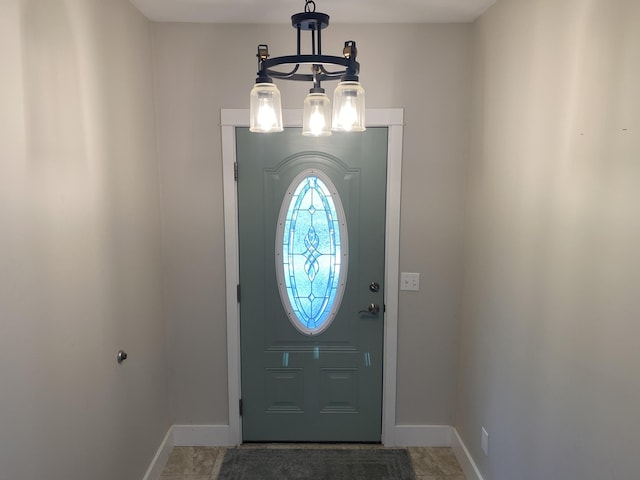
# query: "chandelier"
[318,117]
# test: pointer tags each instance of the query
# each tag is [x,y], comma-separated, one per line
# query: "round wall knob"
[122,356]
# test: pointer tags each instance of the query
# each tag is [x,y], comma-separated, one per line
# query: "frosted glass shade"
[265,108]
[316,117]
[348,108]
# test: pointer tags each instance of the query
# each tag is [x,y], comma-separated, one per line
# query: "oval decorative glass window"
[311,252]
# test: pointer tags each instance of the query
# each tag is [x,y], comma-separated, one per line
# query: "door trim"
[394,120]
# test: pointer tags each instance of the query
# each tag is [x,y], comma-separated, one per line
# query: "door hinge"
[240,407]
[238,292]
[235,171]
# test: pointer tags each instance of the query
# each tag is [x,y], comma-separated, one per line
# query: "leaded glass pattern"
[311,252]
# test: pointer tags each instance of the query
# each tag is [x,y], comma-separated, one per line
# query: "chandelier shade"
[316,116]
[266,108]
[348,108]
[348,113]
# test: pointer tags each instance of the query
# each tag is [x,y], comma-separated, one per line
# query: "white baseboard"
[203,436]
[399,436]
[418,436]
[160,459]
[465,459]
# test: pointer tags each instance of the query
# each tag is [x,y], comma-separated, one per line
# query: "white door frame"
[394,120]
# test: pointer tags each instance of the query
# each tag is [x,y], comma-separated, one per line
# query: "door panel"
[325,387]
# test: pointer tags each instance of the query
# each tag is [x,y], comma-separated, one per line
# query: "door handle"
[373,309]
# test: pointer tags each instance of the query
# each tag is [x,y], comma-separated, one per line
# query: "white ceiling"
[341,11]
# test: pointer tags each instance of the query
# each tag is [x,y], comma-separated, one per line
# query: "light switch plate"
[410,281]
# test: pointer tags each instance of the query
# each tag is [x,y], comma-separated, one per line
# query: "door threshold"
[303,445]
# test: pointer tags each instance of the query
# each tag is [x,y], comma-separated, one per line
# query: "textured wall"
[550,363]
[200,69]
[79,243]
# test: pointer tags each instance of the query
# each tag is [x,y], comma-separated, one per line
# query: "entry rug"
[316,464]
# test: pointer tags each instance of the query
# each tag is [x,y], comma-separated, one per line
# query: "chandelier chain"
[309,5]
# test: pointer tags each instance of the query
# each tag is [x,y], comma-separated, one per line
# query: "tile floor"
[203,463]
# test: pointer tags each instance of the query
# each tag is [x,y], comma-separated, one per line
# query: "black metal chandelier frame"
[315,22]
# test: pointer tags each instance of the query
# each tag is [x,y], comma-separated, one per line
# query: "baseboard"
[400,436]
[418,436]
[465,459]
[160,459]
[203,436]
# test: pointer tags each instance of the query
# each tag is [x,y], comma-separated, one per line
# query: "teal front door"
[311,245]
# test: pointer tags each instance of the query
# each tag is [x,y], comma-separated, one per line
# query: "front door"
[311,245]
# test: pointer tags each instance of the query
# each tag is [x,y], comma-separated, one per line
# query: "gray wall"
[79,243]
[550,360]
[200,69]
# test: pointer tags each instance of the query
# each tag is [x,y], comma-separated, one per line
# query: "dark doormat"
[316,464]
